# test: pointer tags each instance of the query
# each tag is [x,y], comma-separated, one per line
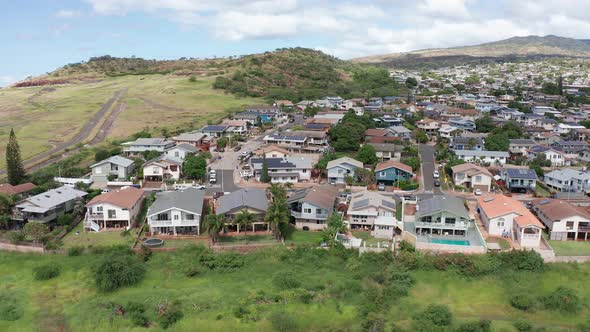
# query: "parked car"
[436,174]
[238,148]
[477,192]
[381,187]
[436,183]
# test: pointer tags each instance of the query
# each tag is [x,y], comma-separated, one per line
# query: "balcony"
[457,225]
[95,216]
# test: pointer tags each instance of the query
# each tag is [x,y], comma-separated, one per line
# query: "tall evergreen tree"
[264,177]
[14,163]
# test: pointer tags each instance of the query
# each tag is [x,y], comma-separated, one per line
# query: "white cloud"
[6,80]
[66,13]
[356,27]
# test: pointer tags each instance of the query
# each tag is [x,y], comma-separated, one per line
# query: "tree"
[497,142]
[421,136]
[335,226]
[550,88]
[264,177]
[35,230]
[14,164]
[101,154]
[485,124]
[472,80]
[413,162]
[277,214]
[213,225]
[367,154]
[118,269]
[411,82]
[195,167]
[222,143]
[245,219]
[364,176]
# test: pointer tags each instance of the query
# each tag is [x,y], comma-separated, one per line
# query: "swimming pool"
[453,242]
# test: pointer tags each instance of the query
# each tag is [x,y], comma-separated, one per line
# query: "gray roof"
[344,160]
[521,173]
[189,137]
[566,174]
[467,140]
[186,147]
[387,147]
[249,198]
[190,200]
[117,160]
[522,141]
[439,203]
[149,141]
[49,199]
[279,163]
[476,153]
[214,128]
[400,130]
[165,157]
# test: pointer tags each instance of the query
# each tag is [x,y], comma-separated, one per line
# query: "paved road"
[428,163]
[225,182]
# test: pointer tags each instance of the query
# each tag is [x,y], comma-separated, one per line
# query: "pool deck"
[425,241]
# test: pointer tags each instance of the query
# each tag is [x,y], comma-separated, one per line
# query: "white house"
[557,158]
[312,207]
[507,217]
[284,170]
[339,168]
[115,209]
[370,210]
[568,180]
[181,151]
[162,168]
[117,166]
[490,157]
[564,221]
[176,212]
[472,176]
[146,144]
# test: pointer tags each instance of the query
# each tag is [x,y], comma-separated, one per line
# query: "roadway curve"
[38,161]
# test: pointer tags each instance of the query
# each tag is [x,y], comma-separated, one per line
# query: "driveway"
[225,182]
[428,163]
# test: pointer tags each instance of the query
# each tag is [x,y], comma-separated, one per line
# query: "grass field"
[570,248]
[209,301]
[42,117]
[78,237]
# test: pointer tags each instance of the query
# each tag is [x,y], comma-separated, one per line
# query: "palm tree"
[213,225]
[245,219]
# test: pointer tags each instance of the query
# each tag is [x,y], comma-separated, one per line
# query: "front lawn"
[297,237]
[79,237]
[570,248]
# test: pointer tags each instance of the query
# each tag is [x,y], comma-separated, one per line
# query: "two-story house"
[472,176]
[568,180]
[116,209]
[141,145]
[116,166]
[162,168]
[176,212]
[467,143]
[402,132]
[312,207]
[252,200]
[283,170]
[215,130]
[557,158]
[370,210]
[493,158]
[340,168]
[520,146]
[181,151]
[47,206]
[504,216]
[438,217]
[388,172]
[198,140]
[564,221]
[519,178]
[388,151]
[429,126]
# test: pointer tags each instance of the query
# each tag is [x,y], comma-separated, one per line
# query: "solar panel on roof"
[388,204]
[361,203]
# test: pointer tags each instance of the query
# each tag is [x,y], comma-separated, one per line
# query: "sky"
[39,36]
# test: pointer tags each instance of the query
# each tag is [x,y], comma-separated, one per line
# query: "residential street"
[428,163]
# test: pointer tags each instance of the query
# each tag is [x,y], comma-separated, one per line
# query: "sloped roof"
[149,141]
[472,168]
[125,198]
[165,158]
[390,164]
[51,198]
[440,203]
[498,205]
[189,137]
[249,198]
[556,209]
[9,189]
[521,173]
[387,147]
[190,200]
[348,160]
[371,198]
[117,160]
[323,196]
[186,147]
[375,132]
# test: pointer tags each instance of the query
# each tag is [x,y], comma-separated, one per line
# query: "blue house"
[388,172]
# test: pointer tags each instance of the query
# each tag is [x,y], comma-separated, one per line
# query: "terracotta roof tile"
[125,198]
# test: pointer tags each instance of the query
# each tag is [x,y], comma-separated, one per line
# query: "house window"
[175,217]
[450,221]
[98,170]
[99,208]
[155,170]
[176,154]
[306,210]
[382,174]
[318,211]
[189,216]
[304,171]
[112,214]
[427,219]
[478,178]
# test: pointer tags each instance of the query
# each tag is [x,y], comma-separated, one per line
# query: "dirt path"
[35,161]
[162,107]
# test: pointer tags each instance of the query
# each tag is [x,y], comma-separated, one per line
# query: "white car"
[477,192]
[435,174]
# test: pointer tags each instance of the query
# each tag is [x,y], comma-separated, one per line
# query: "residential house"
[472,176]
[504,216]
[176,212]
[546,138]
[314,138]
[22,189]
[252,200]
[462,124]
[47,206]
[488,157]
[340,168]
[519,178]
[388,172]
[198,140]
[312,207]
[370,210]
[388,151]
[402,132]
[557,158]
[273,151]
[429,126]
[376,132]
[162,168]
[467,143]
[238,127]
[284,170]
[440,217]
[570,147]
[286,140]
[115,209]
[141,145]
[564,220]
[520,146]
[181,151]
[566,127]
[116,166]
[215,130]
[317,127]
[568,180]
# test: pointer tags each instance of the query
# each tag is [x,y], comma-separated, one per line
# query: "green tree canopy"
[367,154]
[195,167]
[14,164]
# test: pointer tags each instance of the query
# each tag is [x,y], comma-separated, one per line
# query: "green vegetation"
[46,272]
[14,163]
[570,248]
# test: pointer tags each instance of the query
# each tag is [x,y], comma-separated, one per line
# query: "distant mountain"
[508,49]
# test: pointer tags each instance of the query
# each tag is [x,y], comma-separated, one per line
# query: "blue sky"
[40,36]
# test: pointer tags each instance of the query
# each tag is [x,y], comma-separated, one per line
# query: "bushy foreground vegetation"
[280,289]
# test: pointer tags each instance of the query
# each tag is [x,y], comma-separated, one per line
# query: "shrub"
[75,251]
[483,325]
[562,299]
[285,280]
[192,272]
[241,311]
[522,301]
[117,270]
[522,260]
[11,308]
[16,237]
[373,323]
[222,262]
[523,325]
[137,315]
[406,246]
[437,314]
[282,321]
[46,272]
[171,315]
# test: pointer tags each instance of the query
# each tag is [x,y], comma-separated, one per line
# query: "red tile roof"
[391,163]
[498,205]
[9,189]
[125,198]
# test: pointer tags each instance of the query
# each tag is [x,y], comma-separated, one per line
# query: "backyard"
[80,238]
[329,293]
[570,248]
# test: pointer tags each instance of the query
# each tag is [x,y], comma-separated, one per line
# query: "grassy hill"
[515,48]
